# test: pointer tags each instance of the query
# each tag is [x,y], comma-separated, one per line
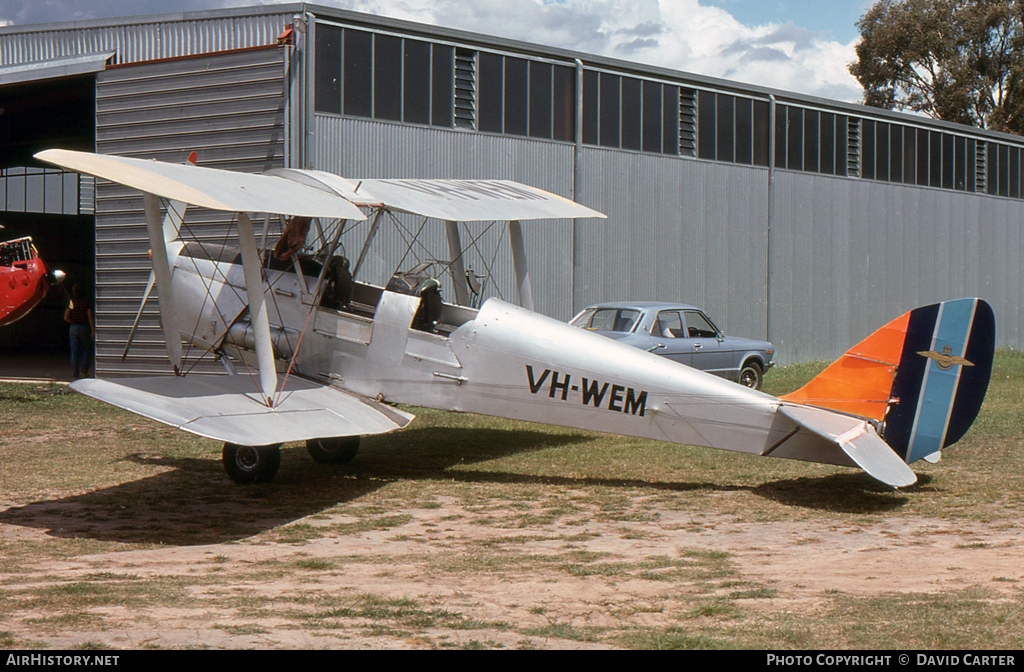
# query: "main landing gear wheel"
[333,450]
[751,376]
[251,464]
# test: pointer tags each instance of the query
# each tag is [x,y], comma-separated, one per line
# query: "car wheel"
[751,376]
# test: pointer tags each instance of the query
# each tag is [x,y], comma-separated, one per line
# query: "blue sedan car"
[682,333]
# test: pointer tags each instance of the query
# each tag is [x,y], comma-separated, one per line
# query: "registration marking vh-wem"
[589,392]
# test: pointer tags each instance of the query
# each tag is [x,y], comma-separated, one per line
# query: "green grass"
[81,480]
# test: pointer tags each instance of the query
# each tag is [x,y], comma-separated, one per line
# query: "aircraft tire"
[333,450]
[751,376]
[251,464]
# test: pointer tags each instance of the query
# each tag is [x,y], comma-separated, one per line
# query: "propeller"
[56,277]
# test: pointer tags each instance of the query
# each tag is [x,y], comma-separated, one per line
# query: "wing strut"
[162,271]
[172,223]
[374,226]
[515,236]
[173,220]
[252,268]
[458,269]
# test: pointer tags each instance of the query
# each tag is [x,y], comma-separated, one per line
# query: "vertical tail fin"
[924,375]
[943,376]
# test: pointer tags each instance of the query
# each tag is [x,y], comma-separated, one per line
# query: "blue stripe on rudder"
[973,379]
[939,384]
[906,387]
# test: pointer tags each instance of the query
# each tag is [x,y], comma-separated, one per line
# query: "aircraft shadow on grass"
[193,503]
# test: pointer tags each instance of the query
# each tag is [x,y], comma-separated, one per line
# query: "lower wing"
[230,409]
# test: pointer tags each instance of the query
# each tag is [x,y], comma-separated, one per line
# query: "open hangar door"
[42,107]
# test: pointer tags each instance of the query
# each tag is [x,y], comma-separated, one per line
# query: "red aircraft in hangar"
[24,279]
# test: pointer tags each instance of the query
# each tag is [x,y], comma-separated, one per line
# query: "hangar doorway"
[43,107]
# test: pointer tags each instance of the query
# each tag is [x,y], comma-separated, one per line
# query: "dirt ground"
[457,575]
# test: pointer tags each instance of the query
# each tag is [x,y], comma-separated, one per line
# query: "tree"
[956,60]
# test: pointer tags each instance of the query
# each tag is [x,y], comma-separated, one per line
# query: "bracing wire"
[207,285]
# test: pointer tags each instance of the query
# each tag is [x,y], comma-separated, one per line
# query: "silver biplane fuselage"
[500,360]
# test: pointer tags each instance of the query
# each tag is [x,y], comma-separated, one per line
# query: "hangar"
[805,221]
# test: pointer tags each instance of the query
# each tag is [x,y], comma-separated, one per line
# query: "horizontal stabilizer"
[228,408]
[858,440]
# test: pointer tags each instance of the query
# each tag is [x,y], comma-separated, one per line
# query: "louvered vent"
[687,122]
[980,167]
[465,88]
[853,148]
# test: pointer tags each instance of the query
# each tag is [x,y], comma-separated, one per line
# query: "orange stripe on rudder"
[860,381]
[886,344]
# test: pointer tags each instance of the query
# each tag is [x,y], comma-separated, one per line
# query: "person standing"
[83,331]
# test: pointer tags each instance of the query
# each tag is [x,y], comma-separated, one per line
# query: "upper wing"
[208,187]
[470,200]
[230,408]
[451,200]
[311,193]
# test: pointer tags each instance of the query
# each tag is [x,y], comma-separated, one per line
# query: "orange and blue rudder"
[943,376]
[921,378]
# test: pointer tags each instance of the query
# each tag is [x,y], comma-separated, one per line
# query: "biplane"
[314,355]
[24,279]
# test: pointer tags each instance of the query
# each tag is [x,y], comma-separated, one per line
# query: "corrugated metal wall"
[848,255]
[147,41]
[231,109]
[843,257]
[677,230]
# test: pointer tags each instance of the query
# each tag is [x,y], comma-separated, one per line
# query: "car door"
[709,353]
[669,337]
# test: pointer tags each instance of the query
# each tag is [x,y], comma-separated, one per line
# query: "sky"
[792,45]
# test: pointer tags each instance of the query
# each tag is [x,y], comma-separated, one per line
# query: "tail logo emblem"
[946,358]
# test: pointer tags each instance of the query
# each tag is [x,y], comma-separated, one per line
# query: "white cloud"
[677,34]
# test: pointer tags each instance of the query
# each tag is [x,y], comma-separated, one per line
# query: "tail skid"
[921,378]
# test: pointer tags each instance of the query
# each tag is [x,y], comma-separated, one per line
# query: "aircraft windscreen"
[14,251]
[607,319]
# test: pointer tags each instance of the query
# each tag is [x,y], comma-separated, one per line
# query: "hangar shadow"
[194,503]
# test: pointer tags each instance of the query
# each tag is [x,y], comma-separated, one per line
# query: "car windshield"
[698,326]
[607,319]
